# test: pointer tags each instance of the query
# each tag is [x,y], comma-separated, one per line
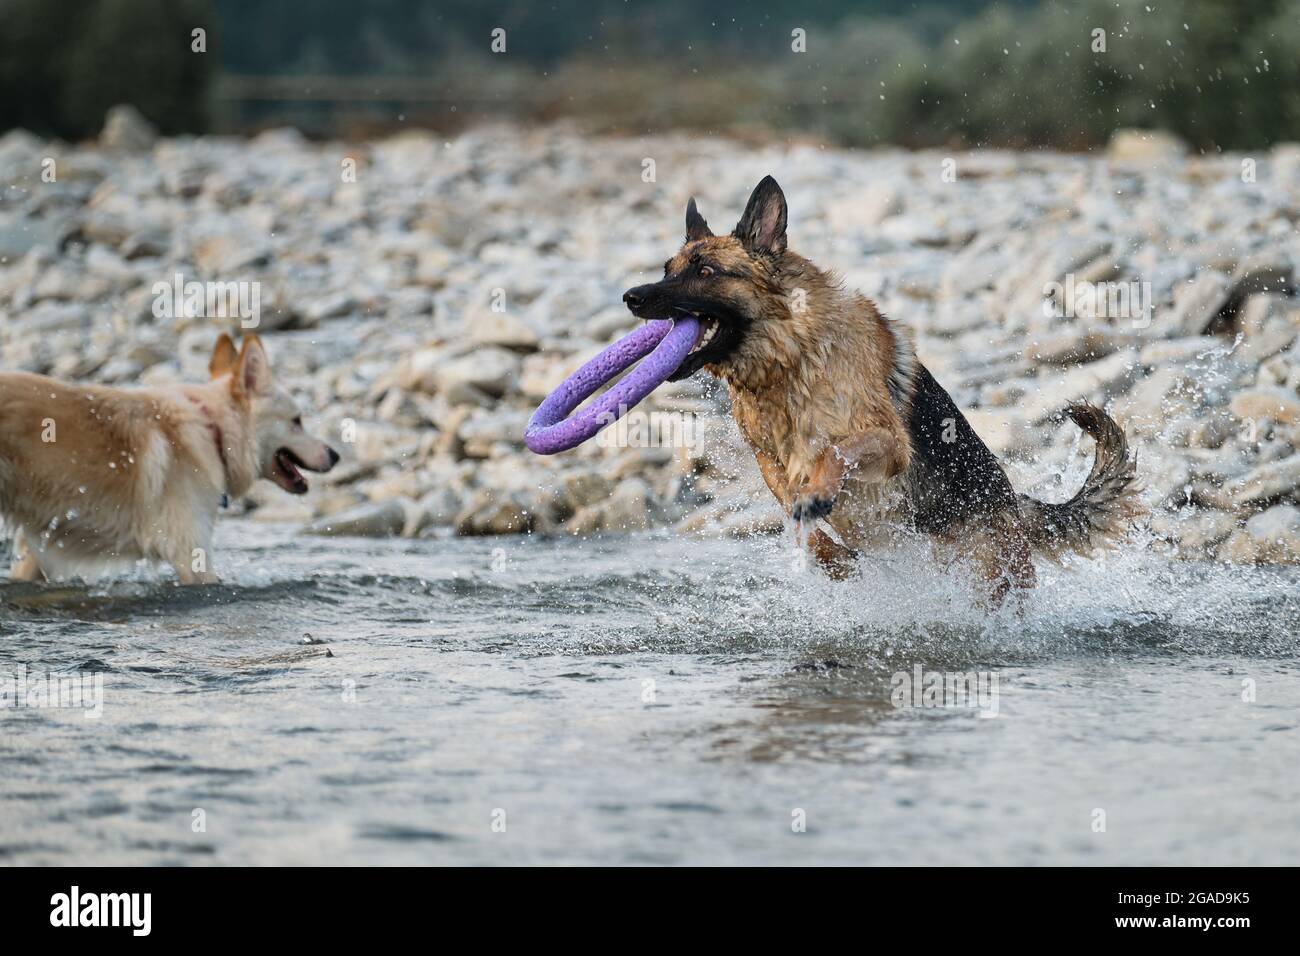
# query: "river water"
[648,699]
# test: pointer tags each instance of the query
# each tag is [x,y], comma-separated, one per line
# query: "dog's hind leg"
[1002,559]
[836,560]
[25,567]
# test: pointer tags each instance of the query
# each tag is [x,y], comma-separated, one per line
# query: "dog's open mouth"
[708,329]
[715,341]
[285,472]
[722,329]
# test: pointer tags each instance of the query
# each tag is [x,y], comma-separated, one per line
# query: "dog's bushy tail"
[1106,504]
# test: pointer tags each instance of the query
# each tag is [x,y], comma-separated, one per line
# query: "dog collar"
[221,446]
[215,430]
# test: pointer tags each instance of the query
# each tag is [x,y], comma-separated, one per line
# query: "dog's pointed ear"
[762,227]
[224,356]
[252,370]
[696,227]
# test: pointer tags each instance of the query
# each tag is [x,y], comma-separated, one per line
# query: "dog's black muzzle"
[636,298]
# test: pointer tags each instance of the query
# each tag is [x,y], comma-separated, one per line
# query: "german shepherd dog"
[92,476]
[848,426]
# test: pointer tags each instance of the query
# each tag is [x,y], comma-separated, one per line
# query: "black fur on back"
[951,481]
[954,481]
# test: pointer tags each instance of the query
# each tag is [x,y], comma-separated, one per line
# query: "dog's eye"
[706,271]
[297,422]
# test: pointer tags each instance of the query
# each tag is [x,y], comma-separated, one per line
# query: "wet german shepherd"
[848,426]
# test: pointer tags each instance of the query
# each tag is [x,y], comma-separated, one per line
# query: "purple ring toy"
[668,342]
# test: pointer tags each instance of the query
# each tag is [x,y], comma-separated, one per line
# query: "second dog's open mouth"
[286,474]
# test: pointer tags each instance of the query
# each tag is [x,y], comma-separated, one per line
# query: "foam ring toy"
[663,344]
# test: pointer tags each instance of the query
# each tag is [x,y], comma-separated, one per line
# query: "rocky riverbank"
[422,294]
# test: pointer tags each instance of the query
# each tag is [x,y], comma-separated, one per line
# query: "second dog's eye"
[706,271]
[297,422]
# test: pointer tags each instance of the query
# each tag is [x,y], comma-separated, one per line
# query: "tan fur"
[808,382]
[998,552]
[834,558]
[811,340]
[90,475]
[822,388]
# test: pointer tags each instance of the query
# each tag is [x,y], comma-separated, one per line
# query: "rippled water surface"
[648,700]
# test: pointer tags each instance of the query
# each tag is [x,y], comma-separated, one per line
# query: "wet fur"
[139,473]
[848,426]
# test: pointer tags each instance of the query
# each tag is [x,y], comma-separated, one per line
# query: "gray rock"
[491,370]
[495,512]
[1145,147]
[440,508]
[126,130]
[148,242]
[484,433]
[1268,310]
[1097,381]
[1272,536]
[502,329]
[1074,346]
[221,255]
[333,305]
[1276,479]
[584,488]
[1164,352]
[1196,304]
[866,207]
[1211,431]
[20,235]
[1200,532]
[542,372]
[49,317]
[411,303]
[1270,271]
[627,508]
[1274,404]
[381,519]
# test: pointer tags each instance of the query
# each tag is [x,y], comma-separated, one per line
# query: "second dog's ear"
[696,227]
[253,369]
[224,356]
[762,227]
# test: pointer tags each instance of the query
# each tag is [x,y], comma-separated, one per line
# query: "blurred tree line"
[1223,73]
[63,63]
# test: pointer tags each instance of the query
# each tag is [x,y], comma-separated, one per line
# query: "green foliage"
[1222,73]
[63,64]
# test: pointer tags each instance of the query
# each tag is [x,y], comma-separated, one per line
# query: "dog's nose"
[334,457]
[633,298]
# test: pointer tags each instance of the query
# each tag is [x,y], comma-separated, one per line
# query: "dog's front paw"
[810,507]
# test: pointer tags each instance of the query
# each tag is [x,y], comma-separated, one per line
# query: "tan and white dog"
[92,475]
